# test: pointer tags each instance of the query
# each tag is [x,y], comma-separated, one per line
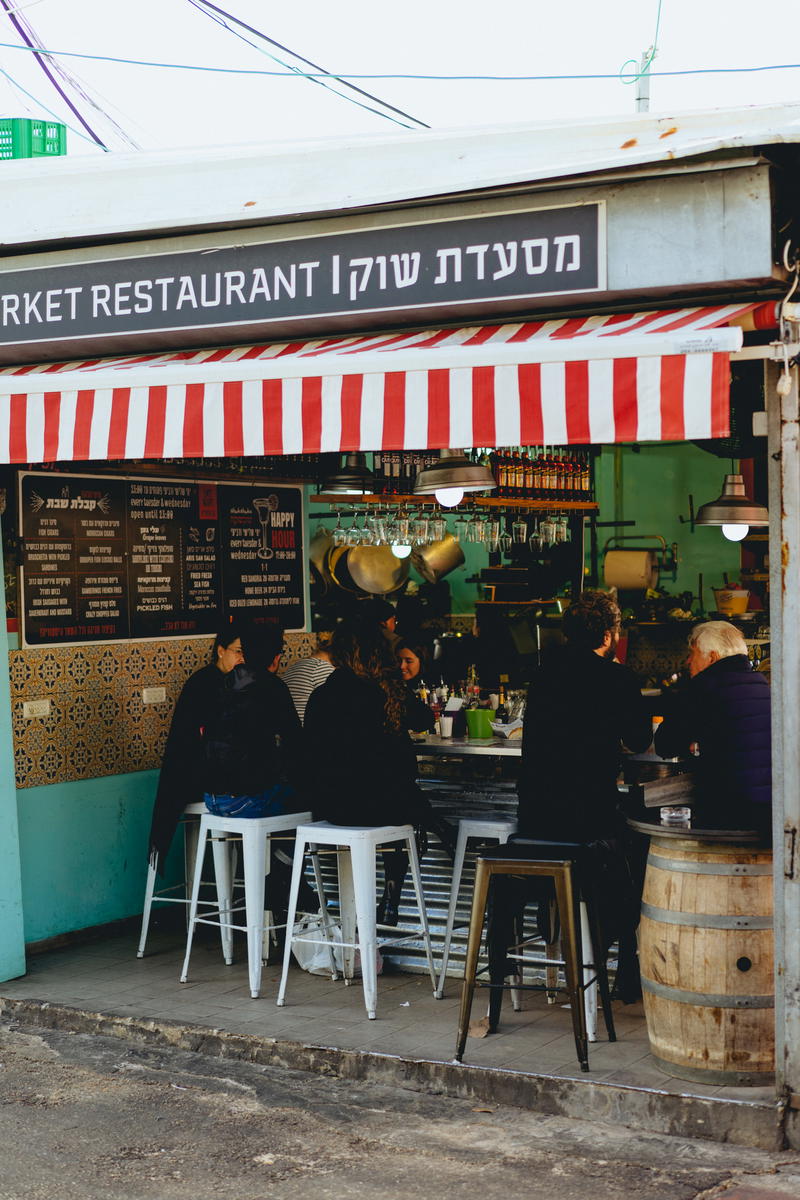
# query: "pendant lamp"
[733,510]
[353,479]
[452,476]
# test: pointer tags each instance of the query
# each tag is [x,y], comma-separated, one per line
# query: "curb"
[742,1122]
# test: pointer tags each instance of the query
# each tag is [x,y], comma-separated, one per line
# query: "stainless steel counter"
[458,747]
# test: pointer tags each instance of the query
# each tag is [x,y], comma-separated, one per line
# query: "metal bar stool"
[255,833]
[486,827]
[563,864]
[190,819]
[357,888]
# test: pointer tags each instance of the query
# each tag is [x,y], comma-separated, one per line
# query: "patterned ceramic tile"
[98,724]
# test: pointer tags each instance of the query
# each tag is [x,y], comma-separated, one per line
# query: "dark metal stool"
[565,866]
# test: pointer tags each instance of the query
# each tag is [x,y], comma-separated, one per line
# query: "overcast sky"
[160,108]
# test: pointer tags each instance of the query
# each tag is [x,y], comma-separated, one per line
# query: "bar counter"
[457,747]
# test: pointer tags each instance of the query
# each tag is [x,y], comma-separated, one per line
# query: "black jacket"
[419,716]
[269,732]
[581,709]
[358,772]
[726,710]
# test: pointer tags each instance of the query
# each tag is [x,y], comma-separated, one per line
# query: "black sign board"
[106,558]
[434,264]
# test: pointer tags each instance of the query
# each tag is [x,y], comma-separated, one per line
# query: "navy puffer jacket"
[726,710]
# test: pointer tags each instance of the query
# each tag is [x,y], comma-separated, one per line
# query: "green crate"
[22,137]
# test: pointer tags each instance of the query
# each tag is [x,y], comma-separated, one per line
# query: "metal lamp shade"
[733,507]
[354,479]
[454,470]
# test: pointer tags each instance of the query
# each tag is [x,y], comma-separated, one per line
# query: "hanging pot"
[437,559]
[318,548]
[375,570]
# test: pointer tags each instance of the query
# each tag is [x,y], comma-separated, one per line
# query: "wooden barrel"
[706,958]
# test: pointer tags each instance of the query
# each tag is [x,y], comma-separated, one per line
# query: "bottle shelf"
[345,501]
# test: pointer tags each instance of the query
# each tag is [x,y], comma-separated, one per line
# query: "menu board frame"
[112,532]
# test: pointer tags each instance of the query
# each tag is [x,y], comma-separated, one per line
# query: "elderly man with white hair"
[720,723]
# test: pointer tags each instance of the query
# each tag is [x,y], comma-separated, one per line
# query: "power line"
[40,104]
[46,68]
[345,75]
[220,16]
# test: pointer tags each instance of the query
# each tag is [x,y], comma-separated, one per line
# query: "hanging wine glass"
[519,530]
[339,533]
[460,527]
[419,530]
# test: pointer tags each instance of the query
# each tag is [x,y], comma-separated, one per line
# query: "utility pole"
[643,81]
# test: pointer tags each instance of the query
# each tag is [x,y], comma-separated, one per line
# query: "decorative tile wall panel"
[98,724]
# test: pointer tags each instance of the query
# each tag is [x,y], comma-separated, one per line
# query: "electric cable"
[45,66]
[72,81]
[209,10]
[650,53]
[41,105]
[345,75]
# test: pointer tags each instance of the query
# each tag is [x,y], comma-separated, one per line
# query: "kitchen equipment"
[437,559]
[318,547]
[638,570]
[630,570]
[731,601]
[371,569]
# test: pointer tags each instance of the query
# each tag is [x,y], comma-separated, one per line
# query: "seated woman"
[412,656]
[361,764]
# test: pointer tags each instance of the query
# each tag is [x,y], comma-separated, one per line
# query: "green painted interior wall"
[656,483]
[83,851]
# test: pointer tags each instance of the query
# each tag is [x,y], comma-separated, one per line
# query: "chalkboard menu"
[106,558]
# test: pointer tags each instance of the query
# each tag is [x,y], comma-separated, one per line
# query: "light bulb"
[735,533]
[400,549]
[449,497]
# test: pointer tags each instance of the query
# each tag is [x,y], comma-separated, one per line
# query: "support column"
[12,930]
[783,414]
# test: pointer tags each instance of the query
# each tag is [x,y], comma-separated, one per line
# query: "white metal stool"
[190,819]
[255,833]
[357,891]
[487,828]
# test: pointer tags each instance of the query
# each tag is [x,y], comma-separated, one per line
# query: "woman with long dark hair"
[362,767]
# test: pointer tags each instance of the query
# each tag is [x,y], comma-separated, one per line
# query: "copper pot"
[437,559]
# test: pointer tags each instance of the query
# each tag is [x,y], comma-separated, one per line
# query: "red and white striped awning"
[650,376]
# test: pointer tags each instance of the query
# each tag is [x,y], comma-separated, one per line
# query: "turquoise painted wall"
[12,940]
[656,485]
[83,851]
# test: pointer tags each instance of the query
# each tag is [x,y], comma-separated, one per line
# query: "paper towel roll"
[631,570]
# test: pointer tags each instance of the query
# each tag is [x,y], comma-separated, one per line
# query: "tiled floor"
[107,977]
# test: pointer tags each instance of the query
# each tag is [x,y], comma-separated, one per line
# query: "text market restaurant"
[191,345]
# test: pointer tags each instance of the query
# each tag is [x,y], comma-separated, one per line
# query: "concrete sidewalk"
[102,987]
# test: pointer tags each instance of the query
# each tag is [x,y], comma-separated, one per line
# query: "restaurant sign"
[106,558]
[433,264]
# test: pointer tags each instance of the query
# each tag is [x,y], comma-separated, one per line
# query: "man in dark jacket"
[582,708]
[724,715]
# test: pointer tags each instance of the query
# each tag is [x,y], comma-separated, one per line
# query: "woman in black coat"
[361,764]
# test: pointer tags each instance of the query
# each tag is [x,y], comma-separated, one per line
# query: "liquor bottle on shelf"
[527,475]
[502,473]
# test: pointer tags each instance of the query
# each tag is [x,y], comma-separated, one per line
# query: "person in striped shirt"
[304,676]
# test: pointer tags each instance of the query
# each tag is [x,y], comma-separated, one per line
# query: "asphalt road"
[103,1119]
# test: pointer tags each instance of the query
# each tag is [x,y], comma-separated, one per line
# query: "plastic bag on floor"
[312,952]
